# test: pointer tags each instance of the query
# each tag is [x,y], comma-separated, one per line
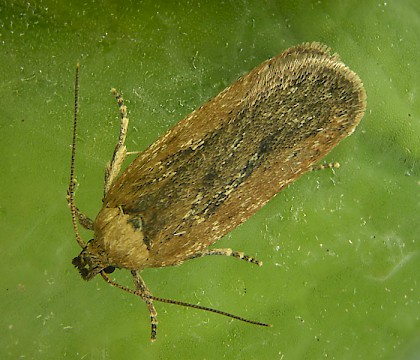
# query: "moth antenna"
[194,306]
[70,192]
[181,303]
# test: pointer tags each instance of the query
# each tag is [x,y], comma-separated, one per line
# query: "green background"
[340,249]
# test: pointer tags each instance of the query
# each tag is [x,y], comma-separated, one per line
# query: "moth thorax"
[122,238]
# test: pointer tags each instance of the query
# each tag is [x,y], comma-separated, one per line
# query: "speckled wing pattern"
[224,161]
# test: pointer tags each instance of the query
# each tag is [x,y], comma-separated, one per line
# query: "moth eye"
[109,269]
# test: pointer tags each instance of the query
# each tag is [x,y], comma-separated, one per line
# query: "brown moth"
[217,167]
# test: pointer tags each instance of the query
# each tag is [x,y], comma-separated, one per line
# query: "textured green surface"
[340,251]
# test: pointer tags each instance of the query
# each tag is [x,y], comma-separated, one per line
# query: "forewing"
[223,162]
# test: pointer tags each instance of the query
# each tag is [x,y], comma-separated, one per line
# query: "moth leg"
[114,166]
[83,220]
[142,288]
[227,252]
[331,165]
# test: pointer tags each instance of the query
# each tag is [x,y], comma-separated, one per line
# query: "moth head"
[89,262]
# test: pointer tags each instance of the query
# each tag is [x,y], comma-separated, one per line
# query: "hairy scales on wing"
[288,113]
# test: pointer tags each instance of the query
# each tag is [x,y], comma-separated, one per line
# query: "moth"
[216,168]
